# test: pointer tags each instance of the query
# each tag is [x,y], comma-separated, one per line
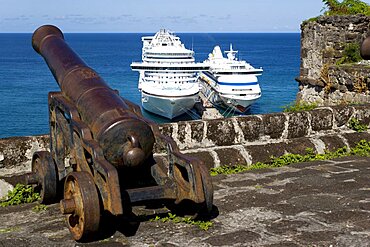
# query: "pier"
[206,109]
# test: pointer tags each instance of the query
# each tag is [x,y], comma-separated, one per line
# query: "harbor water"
[25,79]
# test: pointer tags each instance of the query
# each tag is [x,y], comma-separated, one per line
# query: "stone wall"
[322,44]
[238,140]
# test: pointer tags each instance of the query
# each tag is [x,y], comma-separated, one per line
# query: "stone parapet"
[237,140]
[257,129]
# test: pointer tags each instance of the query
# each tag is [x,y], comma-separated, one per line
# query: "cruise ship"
[167,75]
[230,83]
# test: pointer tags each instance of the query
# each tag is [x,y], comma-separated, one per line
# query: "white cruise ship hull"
[168,107]
[238,102]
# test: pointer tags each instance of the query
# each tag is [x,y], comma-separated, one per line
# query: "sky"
[137,16]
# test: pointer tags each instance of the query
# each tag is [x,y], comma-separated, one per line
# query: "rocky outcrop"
[323,42]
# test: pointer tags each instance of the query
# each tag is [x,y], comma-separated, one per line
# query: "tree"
[346,7]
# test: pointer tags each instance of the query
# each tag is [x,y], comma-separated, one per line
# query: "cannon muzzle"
[365,49]
[124,136]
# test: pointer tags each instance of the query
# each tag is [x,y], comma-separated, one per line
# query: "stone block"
[166,129]
[342,114]
[274,124]
[362,113]
[298,124]
[354,138]
[299,146]
[321,119]
[230,156]
[221,132]
[351,37]
[197,129]
[205,156]
[181,132]
[332,143]
[16,151]
[159,147]
[263,153]
[251,127]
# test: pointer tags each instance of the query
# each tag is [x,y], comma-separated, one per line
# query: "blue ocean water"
[25,79]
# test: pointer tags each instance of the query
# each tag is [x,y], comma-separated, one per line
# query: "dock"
[206,109]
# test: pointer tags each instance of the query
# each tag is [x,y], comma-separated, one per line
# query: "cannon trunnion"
[101,148]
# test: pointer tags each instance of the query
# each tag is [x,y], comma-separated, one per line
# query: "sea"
[25,79]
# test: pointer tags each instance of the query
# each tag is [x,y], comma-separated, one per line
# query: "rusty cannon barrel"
[124,136]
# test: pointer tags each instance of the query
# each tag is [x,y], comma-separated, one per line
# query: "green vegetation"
[204,225]
[20,194]
[300,106]
[39,208]
[355,125]
[351,54]
[10,229]
[346,7]
[362,148]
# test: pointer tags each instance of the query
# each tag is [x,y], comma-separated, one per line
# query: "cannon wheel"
[205,209]
[197,211]
[84,219]
[43,165]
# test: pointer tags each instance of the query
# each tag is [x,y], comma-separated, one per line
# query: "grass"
[39,208]
[355,125]
[300,106]
[362,148]
[204,225]
[19,195]
[8,230]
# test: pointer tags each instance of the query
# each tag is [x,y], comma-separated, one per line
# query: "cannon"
[101,148]
[365,49]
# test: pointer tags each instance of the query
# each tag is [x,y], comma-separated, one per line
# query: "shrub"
[351,54]
[300,106]
[204,225]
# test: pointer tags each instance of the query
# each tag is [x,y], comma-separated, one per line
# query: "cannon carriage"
[101,148]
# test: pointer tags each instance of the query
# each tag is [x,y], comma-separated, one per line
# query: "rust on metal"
[111,122]
[81,204]
[365,49]
[102,147]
